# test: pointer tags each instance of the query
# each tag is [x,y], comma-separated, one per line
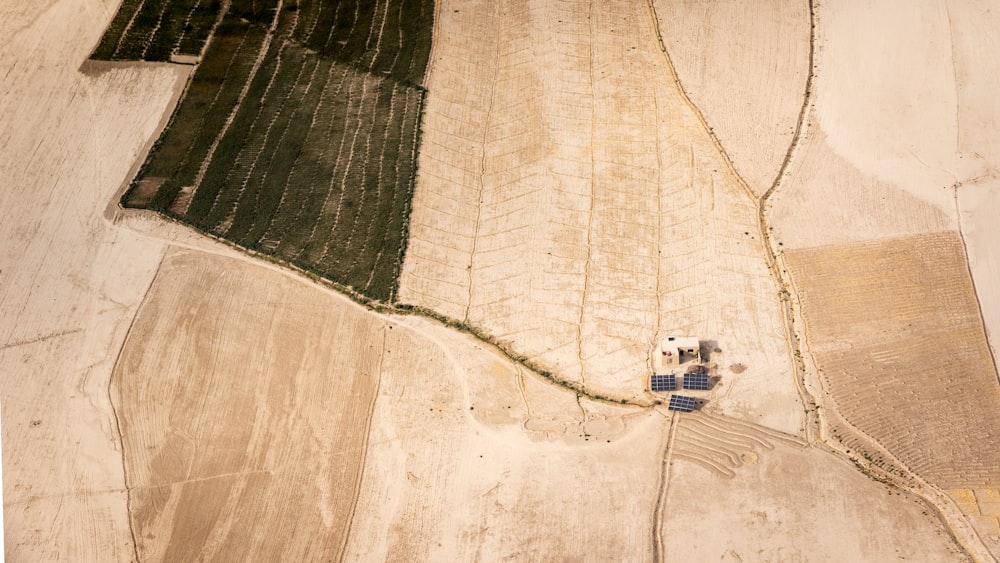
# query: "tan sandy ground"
[559,477]
[69,284]
[240,385]
[868,217]
[743,65]
[571,204]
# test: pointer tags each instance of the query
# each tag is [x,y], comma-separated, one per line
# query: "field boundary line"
[694,108]
[972,280]
[482,167]
[114,409]
[588,264]
[659,549]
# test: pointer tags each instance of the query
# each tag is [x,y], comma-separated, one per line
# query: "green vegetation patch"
[297,137]
[155,30]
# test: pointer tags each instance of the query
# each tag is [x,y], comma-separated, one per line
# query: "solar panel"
[663,382]
[681,403]
[696,381]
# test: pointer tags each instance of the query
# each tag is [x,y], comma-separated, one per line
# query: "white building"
[673,351]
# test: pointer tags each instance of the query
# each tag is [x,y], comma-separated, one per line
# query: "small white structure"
[673,351]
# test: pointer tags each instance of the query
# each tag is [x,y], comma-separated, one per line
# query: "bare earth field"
[869,222]
[69,283]
[167,398]
[743,64]
[570,203]
[243,400]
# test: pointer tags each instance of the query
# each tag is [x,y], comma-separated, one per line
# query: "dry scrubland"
[570,203]
[297,134]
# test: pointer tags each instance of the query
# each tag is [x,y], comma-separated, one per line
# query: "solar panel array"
[663,382]
[696,381]
[681,403]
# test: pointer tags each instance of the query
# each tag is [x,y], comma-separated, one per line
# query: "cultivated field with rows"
[297,137]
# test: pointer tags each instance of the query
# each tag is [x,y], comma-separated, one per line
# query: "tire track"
[364,446]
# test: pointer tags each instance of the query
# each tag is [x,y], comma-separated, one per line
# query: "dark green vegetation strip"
[297,136]
[153,30]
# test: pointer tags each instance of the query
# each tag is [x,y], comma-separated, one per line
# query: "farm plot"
[243,398]
[570,203]
[744,65]
[300,143]
[895,329]
[155,31]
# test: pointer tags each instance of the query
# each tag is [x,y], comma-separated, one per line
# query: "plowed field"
[897,333]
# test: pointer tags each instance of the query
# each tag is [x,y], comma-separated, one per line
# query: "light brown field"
[896,332]
[744,65]
[69,282]
[570,203]
[243,400]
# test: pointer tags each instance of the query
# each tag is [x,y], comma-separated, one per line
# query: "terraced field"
[897,334]
[297,137]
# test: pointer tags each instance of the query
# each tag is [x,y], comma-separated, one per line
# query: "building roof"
[679,342]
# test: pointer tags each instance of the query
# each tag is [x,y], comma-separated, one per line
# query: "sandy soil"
[899,339]
[831,526]
[744,65]
[980,206]
[897,123]
[69,284]
[570,203]
[463,455]
[239,386]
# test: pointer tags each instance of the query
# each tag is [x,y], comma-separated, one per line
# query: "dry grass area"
[896,332]
[744,64]
[571,204]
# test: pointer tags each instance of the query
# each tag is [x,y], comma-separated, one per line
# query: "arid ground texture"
[380,280]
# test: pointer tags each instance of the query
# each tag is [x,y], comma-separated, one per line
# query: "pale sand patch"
[745,65]
[828,200]
[979,206]
[795,504]
[571,204]
[888,97]
[69,284]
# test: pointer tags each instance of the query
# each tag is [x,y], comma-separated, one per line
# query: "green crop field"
[297,136]
[153,31]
